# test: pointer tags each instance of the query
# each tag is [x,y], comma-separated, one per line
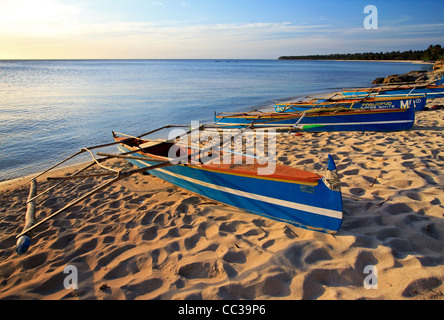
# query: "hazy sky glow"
[186,29]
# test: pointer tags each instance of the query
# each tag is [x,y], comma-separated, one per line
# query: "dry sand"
[144,238]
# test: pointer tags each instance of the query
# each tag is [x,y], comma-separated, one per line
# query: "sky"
[213,29]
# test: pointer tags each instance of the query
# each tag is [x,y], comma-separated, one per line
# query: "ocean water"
[51,109]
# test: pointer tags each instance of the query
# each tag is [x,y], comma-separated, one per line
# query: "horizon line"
[215,59]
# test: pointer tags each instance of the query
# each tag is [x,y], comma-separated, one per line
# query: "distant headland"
[432,53]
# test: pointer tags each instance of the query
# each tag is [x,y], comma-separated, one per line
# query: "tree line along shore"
[432,53]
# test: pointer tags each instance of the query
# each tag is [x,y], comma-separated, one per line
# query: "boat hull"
[353,120]
[417,102]
[431,92]
[312,206]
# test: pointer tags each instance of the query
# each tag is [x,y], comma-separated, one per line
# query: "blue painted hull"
[418,103]
[353,120]
[313,207]
[432,92]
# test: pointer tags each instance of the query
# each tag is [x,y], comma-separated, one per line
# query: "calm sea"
[51,109]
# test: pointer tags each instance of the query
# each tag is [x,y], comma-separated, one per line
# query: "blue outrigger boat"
[417,102]
[302,198]
[295,196]
[431,91]
[323,119]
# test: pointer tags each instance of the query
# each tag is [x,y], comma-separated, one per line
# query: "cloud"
[178,31]
[418,29]
[52,29]
[158,4]
[37,18]
[168,39]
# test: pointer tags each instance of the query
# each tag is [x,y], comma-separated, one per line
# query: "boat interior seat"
[151,143]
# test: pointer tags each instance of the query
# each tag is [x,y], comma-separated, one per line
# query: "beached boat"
[431,91]
[302,198]
[323,119]
[295,196]
[417,102]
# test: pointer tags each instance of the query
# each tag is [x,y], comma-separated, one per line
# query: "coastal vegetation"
[432,53]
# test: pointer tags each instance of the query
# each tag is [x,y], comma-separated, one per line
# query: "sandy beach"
[144,238]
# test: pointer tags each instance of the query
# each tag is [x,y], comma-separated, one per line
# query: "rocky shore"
[413,76]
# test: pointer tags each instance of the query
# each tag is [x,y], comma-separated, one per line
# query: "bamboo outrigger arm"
[24,238]
[102,146]
[56,185]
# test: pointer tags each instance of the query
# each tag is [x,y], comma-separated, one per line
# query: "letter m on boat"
[405,104]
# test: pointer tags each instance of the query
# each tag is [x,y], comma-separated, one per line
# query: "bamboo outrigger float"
[313,203]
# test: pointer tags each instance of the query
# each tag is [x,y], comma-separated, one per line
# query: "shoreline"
[63,169]
[339,60]
[25,180]
[29,163]
[402,61]
[144,238]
